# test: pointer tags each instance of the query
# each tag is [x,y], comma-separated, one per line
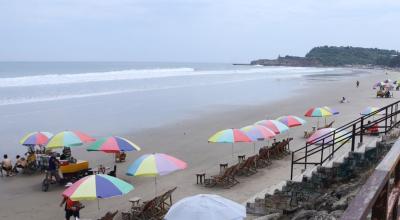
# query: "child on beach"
[71,208]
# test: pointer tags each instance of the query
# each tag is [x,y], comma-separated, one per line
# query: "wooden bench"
[248,167]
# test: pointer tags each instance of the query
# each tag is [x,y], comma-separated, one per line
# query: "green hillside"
[340,56]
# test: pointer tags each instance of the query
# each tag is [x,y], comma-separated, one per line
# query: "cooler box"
[75,167]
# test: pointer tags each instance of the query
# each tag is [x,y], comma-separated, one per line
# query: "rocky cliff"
[288,61]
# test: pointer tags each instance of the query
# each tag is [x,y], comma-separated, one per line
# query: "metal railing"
[384,119]
[379,196]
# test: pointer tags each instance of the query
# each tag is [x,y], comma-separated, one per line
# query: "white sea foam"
[57,97]
[137,74]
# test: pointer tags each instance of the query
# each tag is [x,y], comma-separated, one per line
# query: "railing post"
[353,137]
[305,157]
[391,116]
[291,167]
[362,129]
[380,207]
[322,151]
[333,144]
[386,117]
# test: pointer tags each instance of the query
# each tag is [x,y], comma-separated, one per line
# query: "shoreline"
[187,140]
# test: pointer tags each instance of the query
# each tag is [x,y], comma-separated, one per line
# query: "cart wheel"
[45,185]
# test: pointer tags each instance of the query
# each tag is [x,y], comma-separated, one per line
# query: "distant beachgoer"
[344,100]
[358,83]
[6,165]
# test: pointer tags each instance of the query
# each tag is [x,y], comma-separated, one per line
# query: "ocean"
[114,98]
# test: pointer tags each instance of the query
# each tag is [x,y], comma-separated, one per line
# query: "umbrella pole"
[232,150]
[155,185]
[254,147]
[98,204]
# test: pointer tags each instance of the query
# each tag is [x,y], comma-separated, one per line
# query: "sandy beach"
[22,198]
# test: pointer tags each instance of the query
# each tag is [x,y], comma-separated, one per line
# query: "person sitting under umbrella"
[20,163]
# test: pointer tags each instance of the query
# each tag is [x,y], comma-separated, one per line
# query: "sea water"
[112,98]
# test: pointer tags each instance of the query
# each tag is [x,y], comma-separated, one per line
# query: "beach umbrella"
[156,164]
[318,112]
[332,110]
[319,133]
[291,120]
[36,138]
[378,84]
[276,126]
[113,145]
[368,110]
[206,206]
[68,139]
[229,136]
[97,186]
[258,133]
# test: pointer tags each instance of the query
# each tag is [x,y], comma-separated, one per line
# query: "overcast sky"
[190,30]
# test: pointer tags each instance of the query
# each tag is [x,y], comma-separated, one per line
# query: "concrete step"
[338,160]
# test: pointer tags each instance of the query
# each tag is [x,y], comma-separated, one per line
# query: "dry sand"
[22,198]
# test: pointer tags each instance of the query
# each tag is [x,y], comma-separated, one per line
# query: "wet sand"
[22,198]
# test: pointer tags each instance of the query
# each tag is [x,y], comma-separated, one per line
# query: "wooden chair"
[248,167]
[287,143]
[147,210]
[308,134]
[327,126]
[109,216]
[263,158]
[231,177]
[154,209]
[226,179]
[276,150]
[166,200]
[221,179]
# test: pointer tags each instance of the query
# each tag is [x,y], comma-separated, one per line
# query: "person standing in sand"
[358,83]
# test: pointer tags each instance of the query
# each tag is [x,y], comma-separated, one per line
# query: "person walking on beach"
[358,83]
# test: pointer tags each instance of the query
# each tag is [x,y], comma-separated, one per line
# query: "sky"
[190,30]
